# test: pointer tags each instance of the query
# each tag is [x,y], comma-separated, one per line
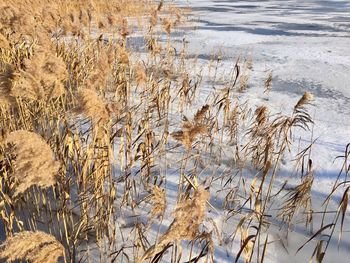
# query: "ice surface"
[306,44]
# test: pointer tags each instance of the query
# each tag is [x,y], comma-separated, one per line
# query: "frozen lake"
[306,44]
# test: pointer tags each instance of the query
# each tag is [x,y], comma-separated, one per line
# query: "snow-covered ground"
[306,45]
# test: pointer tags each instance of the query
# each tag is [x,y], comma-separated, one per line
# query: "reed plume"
[188,216]
[43,77]
[140,74]
[92,106]
[192,129]
[124,30]
[189,133]
[6,83]
[268,82]
[307,98]
[98,78]
[297,198]
[261,120]
[122,55]
[34,162]
[200,114]
[18,23]
[34,247]
[4,43]
[167,25]
[158,201]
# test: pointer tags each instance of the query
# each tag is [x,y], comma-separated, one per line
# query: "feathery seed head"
[43,77]
[34,162]
[35,247]
[93,106]
[307,98]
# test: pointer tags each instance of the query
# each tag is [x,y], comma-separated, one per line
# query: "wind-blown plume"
[34,162]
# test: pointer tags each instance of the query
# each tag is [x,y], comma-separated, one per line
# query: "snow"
[306,44]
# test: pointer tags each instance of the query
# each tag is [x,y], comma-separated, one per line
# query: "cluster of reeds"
[93,117]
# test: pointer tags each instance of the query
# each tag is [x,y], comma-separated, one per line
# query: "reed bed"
[110,153]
